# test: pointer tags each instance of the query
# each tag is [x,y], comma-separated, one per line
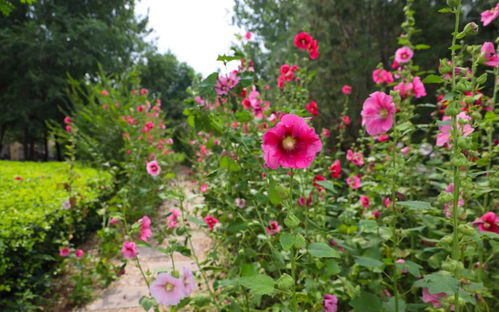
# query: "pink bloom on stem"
[354,182]
[211,222]
[488,52]
[434,299]
[382,76]
[312,108]
[172,218]
[325,133]
[364,200]
[404,89]
[104,92]
[203,188]
[376,214]
[403,55]
[355,158]
[113,221]
[227,82]
[248,35]
[129,250]
[330,303]
[382,138]
[144,91]
[290,144]
[145,228]
[346,120]
[418,87]
[302,40]
[377,113]
[386,202]
[335,169]
[64,252]
[167,289]
[346,89]
[444,136]
[489,222]
[489,16]
[67,120]
[273,228]
[189,281]
[240,202]
[153,168]
[68,128]
[79,253]
[405,150]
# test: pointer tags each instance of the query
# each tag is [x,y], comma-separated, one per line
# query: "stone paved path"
[123,295]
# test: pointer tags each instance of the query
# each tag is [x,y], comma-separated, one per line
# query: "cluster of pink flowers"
[355,158]
[330,303]
[65,251]
[172,218]
[68,121]
[145,228]
[227,82]
[415,87]
[489,16]
[287,74]
[211,222]
[304,41]
[382,76]
[354,182]
[254,103]
[444,136]
[169,290]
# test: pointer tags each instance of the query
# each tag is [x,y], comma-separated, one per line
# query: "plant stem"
[293,275]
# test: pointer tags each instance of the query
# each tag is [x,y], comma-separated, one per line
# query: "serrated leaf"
[439,282]
[321,250]
[415,204]
[433,79]
[411,267]
[287,241]
[373,264]
[259,284]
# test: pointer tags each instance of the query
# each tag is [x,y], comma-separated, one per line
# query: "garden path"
[123,294]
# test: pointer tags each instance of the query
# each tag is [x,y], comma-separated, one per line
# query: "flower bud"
[464,143]
[482,79]
[285,282]
[460,161]
[466,229]
[452,109]
[300,241]
[464,86]
[444,67]
[291,221]
[470,29]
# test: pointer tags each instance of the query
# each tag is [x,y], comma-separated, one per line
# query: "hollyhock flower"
[489,16]
[354,182]
[211,222]
[355,158]
[346,89]
[143,91]
[113,221]
[312,108]
[488,52]
[405,150]
[346,120]
[290,144]
[104,92]
[364,201]
[376,214]
[325,133]
[167,289]
[172,218]
[418,87]
[305,202]
[335,169]
[153,168]
[395,65]
[403,55]
[303,40]
[444,136]
[240,202]
[318,178]
[434,299]
[68,128]
[189,281]
[382,76]
[64,252]
[382,138]
[404,89]
[18,178]
[248,35]
[377,113]
[227,82]
[330,303]
[79,253]
[67,120]
[129,250]
[273,228]
[386,202]
[203,188]
[489,222]
[313,50]
[145,228]
[285,69]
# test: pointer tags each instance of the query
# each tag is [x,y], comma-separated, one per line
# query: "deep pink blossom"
[172,218]
[153,168]
[354,182]
[64,252]
[302,40]
[489,16]
[145,228]
[104,92]
[248,35]
[386,202]
[211,222]
[273,228]
[290,144]
[489,222]
[129,250]
[444,136]
[364,201]
[68,128]
[167,289]
[346,89]
[335,169]
[330,303]
[345,120]
[403,55]
[312,108]
[67,120]
[382,76]
[376,214]
[418,87]
[203,188]
[434,299]
[377,113]
[355,158]
[404,89]
[488,52]
[79,253]
[382,138]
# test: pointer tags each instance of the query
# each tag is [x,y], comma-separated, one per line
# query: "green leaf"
[411,267]
[207,86]
[422,46]
[445,10]
[259,284]
[389,306]
[321,250]
[147,303]
[433,79]
[439,282]
[455,47]
[415,204]
[327,185]
[366,302]
[373,264]
[277,194]
[287,241]
[332,267]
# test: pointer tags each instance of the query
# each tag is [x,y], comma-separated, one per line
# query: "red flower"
[312,108]
[303,40]
[335,169]
[211,222]
[317,178]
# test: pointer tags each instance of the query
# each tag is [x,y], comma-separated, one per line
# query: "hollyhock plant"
[167,289]
[330,303]
[364,201]
[418,87]
[227,82]
[355,158]
[273,228]
[444,136]
[129,250]
[488,52]
[64,252]
[290,144]
[489,16]
[377,113]
[153,168]
[354,182]
[434,299]
[346,90]
[403,55]
[335,169]
[489,222]
[211,222]
[312,108]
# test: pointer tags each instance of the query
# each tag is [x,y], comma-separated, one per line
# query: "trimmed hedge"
[40,210]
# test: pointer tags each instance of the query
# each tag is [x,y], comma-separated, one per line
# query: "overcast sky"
[196,31]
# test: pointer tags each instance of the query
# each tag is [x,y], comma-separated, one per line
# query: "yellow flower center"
[486,225]
[169,287]
[383,113]
[289,143]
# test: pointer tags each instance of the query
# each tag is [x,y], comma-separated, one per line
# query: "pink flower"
[129,250]
[335,169]
[305,202]
[382,76]
[376,214]
[434,299]
[325,133]
[377,113]
[489,222]
[404,89]
[67,120]
[330,303]
[403,55]
[240,202]
[317,178]
[488,52]
[489,16]
[189,281]
[153,168]
[225,83]
[145,228]
[354,182]
[68,128]
[167,290]
[346,90]
[386,202]
[144,91]
[113,221]
[211,222]
[302,40]
[346,120]
[290,144]
[405,150]
[382,138]
[312,108]
[355,158]
[313,50]
[79,253]
[172,218]
[418,87]
[273,228]
[364,200]
[203,188]
[64,252]
[248,35]
[104,92]
[444,136]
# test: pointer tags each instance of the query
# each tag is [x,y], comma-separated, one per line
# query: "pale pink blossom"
[153,168]
[377,113]
[444,136]
[240,202]
[145,228]
[129,250]
[403,55]
[172,218]
[434,299]
[404,89]
[355,158]
[189,281]
[354,182]
[488,52]
[489,16]
[330,303]
[227,82]
[167,289]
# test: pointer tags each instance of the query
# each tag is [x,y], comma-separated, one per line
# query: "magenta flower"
[404,89]
[203,188]
[403,55]
[189,281]
[444,136]
[67,120]
[153,168]
[354,182]
[434,299]
[377,113]
[273,228]
[312,108]
[64,252]
[489,54]
[335,169]
[79,253]
[172,218]
[489,16]
[418,87]
[129,250]
[211,222]
[364,201]
[355,158]
[382,76]
[489,222]
[225,83]
[330,303]
[346,90]
[302,40]
[386,202]
[145,228]
[167,290]
[248,35]
[290,144]
[104,92]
